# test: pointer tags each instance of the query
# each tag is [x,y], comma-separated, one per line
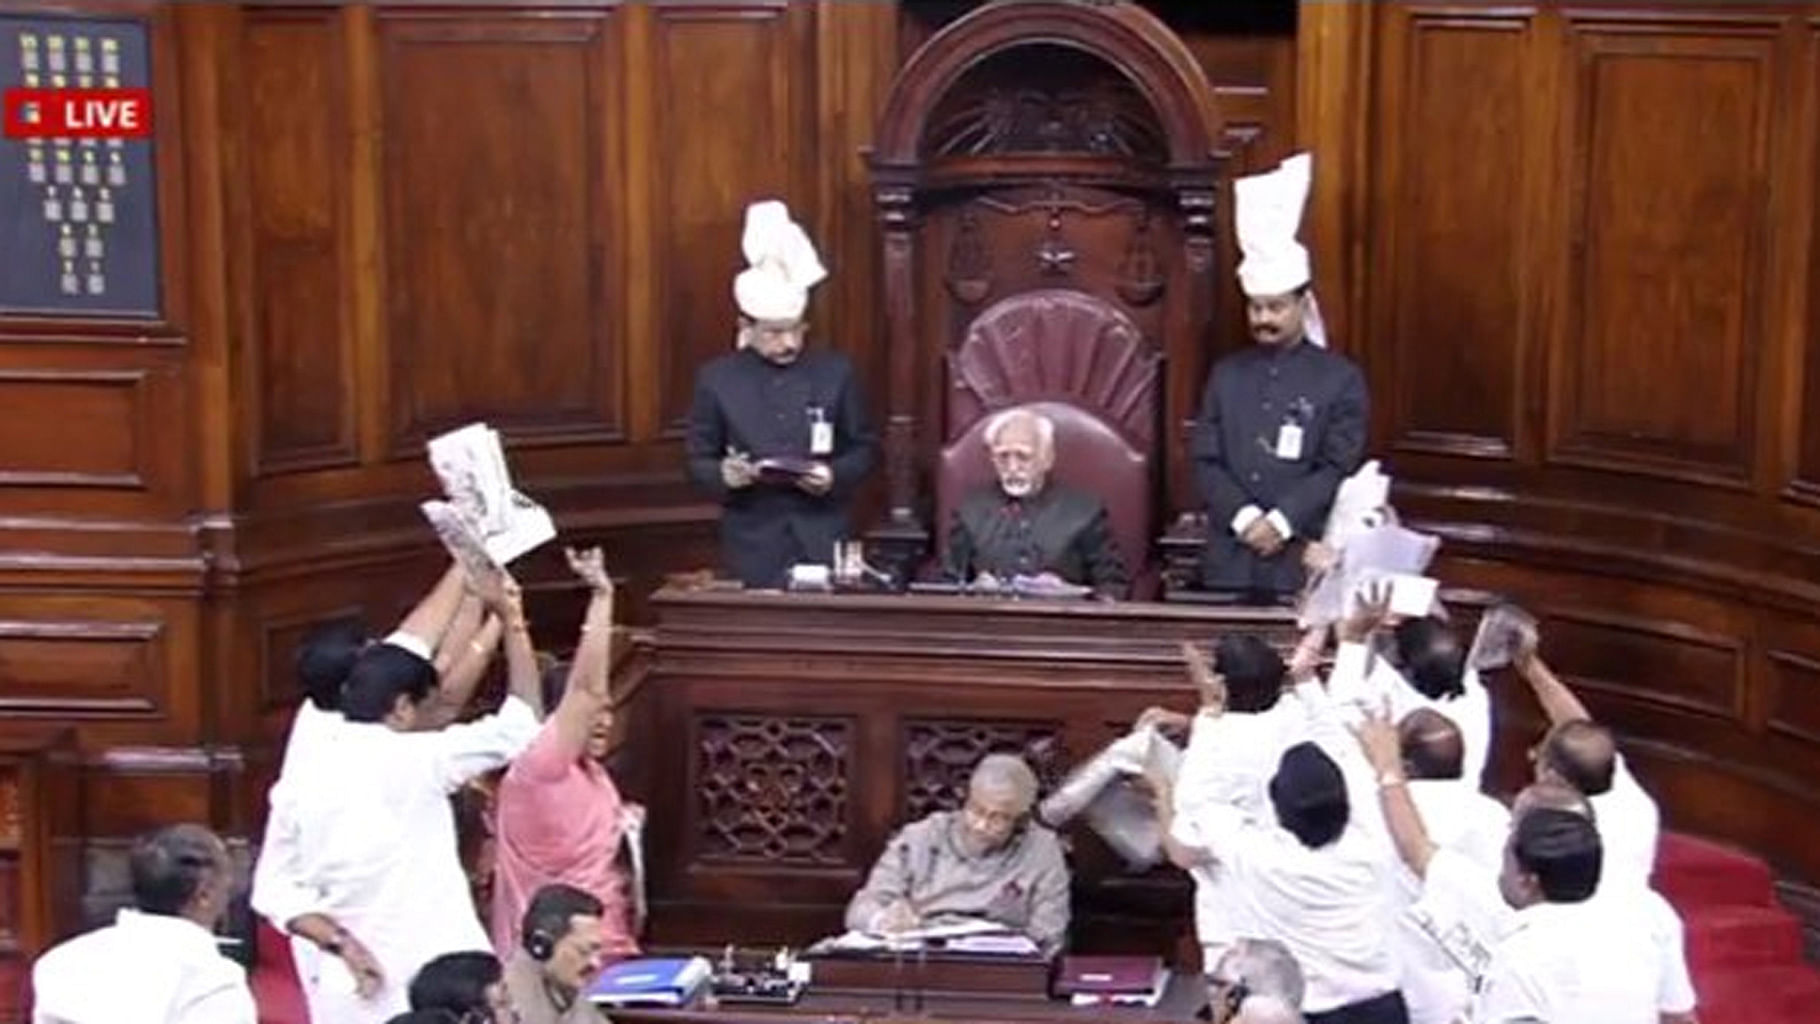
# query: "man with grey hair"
[1256,982]
[158,960]
[1026,524]
[986,861]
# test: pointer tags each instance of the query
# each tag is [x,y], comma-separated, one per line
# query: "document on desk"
[951,935]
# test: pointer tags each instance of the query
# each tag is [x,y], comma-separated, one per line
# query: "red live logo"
[78,113]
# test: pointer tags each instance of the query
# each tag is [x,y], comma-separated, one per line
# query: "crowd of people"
[1329,807]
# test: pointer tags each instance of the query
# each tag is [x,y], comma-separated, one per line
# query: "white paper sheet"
[1387,552]
[471,465]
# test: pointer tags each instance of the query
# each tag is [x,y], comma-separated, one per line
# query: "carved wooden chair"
[1081,362]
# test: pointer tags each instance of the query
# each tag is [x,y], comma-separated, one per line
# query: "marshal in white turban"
[782,266]
[1267,214]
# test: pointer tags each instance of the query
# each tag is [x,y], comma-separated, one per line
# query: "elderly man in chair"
[1025,524]
[986,861]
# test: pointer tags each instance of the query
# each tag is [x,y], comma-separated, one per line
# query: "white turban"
[783,265]
[1267,214]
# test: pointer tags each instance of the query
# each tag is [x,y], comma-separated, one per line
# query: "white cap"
[1267,214]
[783,265]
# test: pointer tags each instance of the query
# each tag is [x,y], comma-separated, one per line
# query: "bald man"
[1026,524]
[1580,753]
[986,861]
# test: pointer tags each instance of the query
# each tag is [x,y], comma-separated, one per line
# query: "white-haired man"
[777,433]
[1026,524]
[986,861]
[1256,982]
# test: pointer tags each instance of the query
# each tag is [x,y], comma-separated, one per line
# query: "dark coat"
[1059,530]
[745,402]
[1250,395]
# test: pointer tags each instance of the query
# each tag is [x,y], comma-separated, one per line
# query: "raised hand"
[590,565]
[1305,660]
[1368,614]
[1205,679]
[1378,738]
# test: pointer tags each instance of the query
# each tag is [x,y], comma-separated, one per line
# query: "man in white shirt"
[157,963]
[1581,753]
[1460,819]
[444,628]
[1464,913]
[1569,959]
[1233,750]
[1312,878]
[1418,663]
[369,834]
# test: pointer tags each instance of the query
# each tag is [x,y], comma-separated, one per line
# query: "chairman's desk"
[781,738]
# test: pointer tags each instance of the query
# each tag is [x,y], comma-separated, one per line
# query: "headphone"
[539,944]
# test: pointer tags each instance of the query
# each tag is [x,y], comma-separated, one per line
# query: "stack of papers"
[953,935]
[484,520]
[1383,554]
[1503,631]
[1122,814]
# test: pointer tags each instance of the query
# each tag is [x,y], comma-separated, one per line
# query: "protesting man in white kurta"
[369,835]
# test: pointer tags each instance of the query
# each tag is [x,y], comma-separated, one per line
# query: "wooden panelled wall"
[380,222]
[1576,249]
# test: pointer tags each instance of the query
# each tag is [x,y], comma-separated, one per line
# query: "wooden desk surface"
[1182,1000]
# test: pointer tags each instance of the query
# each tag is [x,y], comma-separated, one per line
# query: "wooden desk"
[780,739]
[1184,997]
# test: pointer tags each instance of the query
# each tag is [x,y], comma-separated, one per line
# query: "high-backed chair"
[1081,362]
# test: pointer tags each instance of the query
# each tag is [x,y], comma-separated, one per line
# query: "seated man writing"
[986,861]
[1028,525]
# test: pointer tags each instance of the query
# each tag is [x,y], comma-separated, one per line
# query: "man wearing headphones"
[558,958]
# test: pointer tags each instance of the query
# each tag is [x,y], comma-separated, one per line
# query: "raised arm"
[503,597]
[430,619]
[587,690]
[469,617]
[1383,750]
[458,683]
[1558,702]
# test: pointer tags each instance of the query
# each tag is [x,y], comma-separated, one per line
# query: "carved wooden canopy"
[1035,145]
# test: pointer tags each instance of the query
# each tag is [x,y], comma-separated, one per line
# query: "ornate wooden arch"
[911,184]
[1124,35]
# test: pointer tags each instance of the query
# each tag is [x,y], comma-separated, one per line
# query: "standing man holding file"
[1282,422]
[778,433]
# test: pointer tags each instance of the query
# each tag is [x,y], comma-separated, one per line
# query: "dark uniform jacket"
[1250,396]
[1059,530]
[745,402]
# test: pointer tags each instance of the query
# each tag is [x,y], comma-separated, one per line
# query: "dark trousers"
[1385,1009]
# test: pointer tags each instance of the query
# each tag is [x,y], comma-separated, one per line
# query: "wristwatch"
[1388,779]
[333,944]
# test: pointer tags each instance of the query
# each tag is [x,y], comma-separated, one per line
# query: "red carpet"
[1743,949]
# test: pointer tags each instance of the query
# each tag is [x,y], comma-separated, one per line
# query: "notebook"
[650,982]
